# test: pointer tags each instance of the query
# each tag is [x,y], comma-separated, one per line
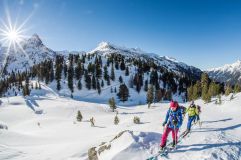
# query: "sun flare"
[13,35]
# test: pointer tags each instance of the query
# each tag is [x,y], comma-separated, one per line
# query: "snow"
[228,67]
[60,137]
[228,73]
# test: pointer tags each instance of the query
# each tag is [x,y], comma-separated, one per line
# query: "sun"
[13,36]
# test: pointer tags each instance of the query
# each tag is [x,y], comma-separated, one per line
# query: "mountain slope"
[230,73]
[59,136]
[106,48]
[32,51]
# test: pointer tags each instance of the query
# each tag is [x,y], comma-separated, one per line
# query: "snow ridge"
[230,73]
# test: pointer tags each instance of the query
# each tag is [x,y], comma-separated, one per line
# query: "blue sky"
[201,33]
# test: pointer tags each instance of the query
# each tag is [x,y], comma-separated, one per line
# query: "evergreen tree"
[70,78]
[65,70]
[122,65]
[115,90]
[58,85]
[79,85]
[123,93]
[108,81]
[127,71]
[150,95]
[78,71]
[111,90]
[98,87]
[131,82]
[205,86]
[112,104]
[26,90]
[214,89]
[207,97]
[116,65]
[93,82]
[87,81]
[39,87]
[102,83]
[106,75]
[205,93]
[146,85]
[112,76]
[98,70]
[228,90]
[168,95]
[79,116]
[116,120]
[237,88]
[195,92]
[120,79]
[158,95]
[36,85]
[190,93]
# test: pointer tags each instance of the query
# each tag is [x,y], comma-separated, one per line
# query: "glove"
[163,124]
[174,122]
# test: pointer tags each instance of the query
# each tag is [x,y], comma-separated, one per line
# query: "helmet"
[173,104]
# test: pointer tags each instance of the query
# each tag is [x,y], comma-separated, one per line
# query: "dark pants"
[190,120]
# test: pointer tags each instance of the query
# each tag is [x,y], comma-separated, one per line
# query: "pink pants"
[165,135]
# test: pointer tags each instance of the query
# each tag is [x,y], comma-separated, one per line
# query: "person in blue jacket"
[172,123]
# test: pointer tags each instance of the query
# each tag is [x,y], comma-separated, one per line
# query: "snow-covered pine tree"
[112,104]
[79,116]
[116,120]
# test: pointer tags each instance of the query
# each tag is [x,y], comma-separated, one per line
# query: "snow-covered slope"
[60,137]
[228,73]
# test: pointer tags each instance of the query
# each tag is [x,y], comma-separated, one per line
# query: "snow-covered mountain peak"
[33,51]
[237,63]
[103,45]
[34,40]
[228,67]
[228,73]
[107,47]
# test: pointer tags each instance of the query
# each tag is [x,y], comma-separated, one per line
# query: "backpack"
[198,108]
